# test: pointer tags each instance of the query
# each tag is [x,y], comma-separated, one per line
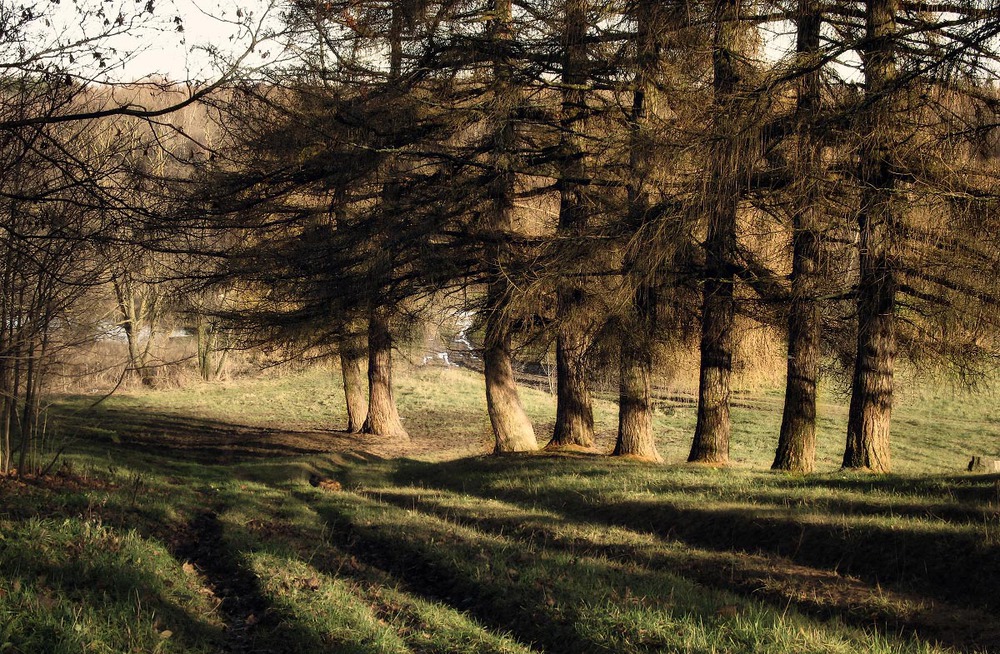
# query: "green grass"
[936,428]
[185,522]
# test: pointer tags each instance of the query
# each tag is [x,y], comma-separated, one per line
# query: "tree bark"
[635,407]
[383,417]
[872,385]
[796,450]
[511,425]
[512,429]
[711,436]
[574,414]
[353,352]
[635,411]
[730,156]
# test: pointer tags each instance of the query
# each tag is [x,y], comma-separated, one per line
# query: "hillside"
[232,517]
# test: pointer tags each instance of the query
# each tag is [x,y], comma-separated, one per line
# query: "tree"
[797,440]
[52,217]
[574,413]
[733,145]
[635,418]
[511,427]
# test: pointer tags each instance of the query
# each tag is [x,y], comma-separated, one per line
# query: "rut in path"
[252,624]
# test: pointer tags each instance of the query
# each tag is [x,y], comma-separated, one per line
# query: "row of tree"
[630,175]
[624,178]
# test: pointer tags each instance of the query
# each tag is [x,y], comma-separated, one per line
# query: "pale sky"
[153,45]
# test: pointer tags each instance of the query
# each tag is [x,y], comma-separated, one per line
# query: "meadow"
[184,520]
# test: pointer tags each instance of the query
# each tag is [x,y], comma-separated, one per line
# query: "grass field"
[184,521]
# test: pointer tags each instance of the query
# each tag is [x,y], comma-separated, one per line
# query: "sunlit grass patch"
[76,585]
[435,553]
[567,600]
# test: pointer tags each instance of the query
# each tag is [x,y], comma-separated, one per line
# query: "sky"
[194,40]
[173,42]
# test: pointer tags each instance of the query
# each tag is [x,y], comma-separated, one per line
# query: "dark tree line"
[592,174]
[594,179]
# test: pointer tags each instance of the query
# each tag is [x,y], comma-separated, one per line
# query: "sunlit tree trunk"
[353,368]
[722,194]
[512,428]
[635,410]
[872,384]
[797,441]
[383,417]
[574,412]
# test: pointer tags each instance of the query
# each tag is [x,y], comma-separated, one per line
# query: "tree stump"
[984,464]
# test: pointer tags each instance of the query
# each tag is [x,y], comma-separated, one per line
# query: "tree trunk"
[574,414]
[872,385]
[27,418]
[353,352]
[137,310]
[728,162]
[206,345]
[711,436]
[383,417]
[797,441]
[635,409]
[512,428]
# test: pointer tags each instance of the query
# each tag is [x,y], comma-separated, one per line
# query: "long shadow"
[197,439]
[490,603]
[91,580]
[758,577]
[91,590]
[937,563]
[104,586]
[253,624]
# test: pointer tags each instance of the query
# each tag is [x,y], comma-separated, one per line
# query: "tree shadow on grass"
[560,601]
[533,621]
[933,560]
[200,439]
[775,580]
[253,624]
[120,592]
